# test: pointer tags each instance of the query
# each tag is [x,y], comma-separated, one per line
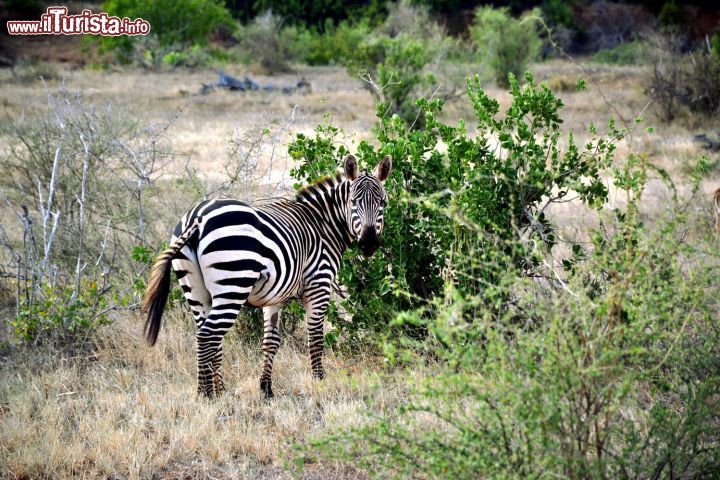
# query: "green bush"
[558,12]
[336,44]
[507,44]
[393,69]
[175,25]
[611,373]
[60,312]
[439,170]
[630,53]
[398,60]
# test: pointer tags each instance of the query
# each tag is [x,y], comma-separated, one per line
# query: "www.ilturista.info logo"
[56,21]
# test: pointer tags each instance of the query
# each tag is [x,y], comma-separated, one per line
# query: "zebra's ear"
[383,168]
[351,167]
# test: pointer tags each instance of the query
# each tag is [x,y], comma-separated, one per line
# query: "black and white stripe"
[227,254]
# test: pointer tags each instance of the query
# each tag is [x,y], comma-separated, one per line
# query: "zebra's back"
[241,251]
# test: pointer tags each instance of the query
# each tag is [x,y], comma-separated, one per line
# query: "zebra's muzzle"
[369,241]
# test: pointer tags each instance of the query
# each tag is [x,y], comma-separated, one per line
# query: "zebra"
[226,254]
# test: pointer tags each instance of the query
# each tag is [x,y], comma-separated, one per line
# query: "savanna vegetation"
[544,303]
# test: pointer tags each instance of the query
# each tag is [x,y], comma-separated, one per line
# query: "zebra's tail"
[158,288]
[716,204]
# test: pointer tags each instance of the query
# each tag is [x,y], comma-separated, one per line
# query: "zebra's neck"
[328,199]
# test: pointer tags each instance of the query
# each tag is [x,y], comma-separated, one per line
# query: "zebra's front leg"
[316,304]
[270,344]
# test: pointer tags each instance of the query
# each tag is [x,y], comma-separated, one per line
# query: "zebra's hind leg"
[222,316]
[198,298]
[218,384]
[270,344]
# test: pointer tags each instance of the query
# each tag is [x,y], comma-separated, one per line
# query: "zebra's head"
[366,203]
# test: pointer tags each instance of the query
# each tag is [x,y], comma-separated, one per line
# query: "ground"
[124,410]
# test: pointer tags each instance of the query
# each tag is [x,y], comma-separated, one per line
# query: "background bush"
[631,53]
[272,46]
[506,43]
[175,26]
[684,82]
[399,60]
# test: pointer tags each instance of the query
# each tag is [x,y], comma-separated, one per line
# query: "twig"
[83,185]
[47,212]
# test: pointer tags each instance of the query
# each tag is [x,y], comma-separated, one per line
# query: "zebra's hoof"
[206,394]
[266,388]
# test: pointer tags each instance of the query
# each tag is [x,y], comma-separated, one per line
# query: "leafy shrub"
[62,312]
[439,170]
[611,374]
[508,44]
[557,12]
[175,25]
[630,53]
[336,44]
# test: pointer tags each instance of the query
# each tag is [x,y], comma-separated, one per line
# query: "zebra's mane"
[323,185]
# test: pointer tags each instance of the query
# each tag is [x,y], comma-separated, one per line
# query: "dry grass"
[203,125]
[130,411]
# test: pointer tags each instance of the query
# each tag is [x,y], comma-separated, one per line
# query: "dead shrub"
[78,180]
[683,82]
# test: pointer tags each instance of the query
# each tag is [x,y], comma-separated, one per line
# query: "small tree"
[508,44]
[271,45]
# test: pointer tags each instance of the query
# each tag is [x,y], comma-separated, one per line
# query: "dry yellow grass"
[126,410]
